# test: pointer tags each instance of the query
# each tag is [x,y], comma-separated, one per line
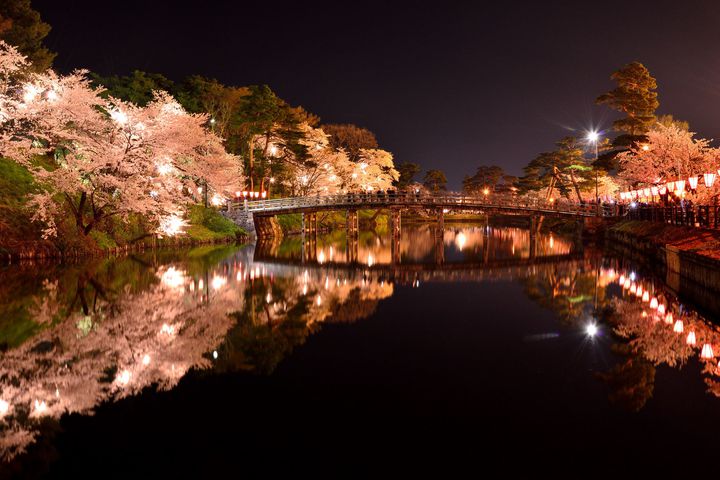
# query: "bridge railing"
[704,216]
[454,201]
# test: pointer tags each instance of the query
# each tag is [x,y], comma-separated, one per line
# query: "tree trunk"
[575,186]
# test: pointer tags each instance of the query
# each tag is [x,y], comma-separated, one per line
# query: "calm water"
[466,346]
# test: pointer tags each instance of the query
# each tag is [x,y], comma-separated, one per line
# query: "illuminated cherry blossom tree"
[105,157]
[670,154]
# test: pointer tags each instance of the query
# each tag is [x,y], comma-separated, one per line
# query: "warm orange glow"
[669,318]
[707,351]
[678,328]
[646,296]
[661,309]
[690,338]
[654,303]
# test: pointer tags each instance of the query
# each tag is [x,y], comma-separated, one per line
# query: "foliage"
[350,138]
[670,153]
[635,96]
[407,172]
[22,27]
[435,180]
[109,157]
[485,177]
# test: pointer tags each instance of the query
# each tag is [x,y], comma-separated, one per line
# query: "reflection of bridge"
[261,212]
[498,269]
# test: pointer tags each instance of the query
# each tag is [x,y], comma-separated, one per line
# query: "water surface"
[467,343]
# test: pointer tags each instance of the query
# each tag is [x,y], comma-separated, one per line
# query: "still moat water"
[462,346]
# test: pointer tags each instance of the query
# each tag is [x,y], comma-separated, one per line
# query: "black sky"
[450,86]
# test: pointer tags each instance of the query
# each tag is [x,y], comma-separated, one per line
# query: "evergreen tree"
[636,97]
[435,180]
[407,170]
[22,27]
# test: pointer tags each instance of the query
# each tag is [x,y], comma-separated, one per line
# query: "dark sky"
[450,86]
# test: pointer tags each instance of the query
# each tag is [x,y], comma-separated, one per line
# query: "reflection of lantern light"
[661,309]
[40,407]
[321,256]
[627,283]
[319,300]
[639,291]
[218,282]
[691,338]
[669,318]
[460,240]
[646,296]
[707,351]
[678,328]
[370,260]
[654,303]
[633,288]
[621,281]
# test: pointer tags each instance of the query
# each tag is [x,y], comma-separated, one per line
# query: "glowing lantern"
[263,194]
[646,296]
[654,191]
[680,185]
[626,285]
[690,338]
[669,318]
[661,309]
[707,351]
[662,190]
[693,181]
[237,194]
[646,192]
[633,288]
[4,408]
[670,186]
[639,291]
[654,303]
[709,179]
[678,328]
[621,280]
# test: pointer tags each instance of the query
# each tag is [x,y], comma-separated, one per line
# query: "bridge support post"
[351,249]
[439,234]
[535,224]
[395,249]
[395,219]
[441,218]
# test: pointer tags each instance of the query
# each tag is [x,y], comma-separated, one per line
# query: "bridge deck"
[504,203]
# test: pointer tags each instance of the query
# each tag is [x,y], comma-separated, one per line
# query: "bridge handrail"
[445,200]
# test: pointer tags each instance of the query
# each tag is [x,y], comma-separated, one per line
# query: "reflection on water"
[76,336]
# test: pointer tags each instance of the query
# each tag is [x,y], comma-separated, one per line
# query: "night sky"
[451,86]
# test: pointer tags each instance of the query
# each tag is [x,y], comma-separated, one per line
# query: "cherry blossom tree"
[106,157]
[670,153]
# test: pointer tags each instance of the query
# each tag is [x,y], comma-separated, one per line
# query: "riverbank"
[205,227]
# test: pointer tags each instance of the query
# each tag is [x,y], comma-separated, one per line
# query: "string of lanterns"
[677,186]
[247,194]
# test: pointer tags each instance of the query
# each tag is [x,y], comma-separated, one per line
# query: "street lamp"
[593,138]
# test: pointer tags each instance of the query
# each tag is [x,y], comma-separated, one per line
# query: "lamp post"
[593,138]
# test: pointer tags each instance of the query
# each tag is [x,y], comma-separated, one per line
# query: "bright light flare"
[592,136]
[172,225]
[591,330]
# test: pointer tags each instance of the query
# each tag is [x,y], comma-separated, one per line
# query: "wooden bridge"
[260,212]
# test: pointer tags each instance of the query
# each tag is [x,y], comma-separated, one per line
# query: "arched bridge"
[260,210]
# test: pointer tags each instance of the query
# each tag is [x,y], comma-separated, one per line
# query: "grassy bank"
[22,238]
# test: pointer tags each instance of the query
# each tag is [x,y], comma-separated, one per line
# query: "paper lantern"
[646,192]
[670,186]
[654,303]
[690,338]
[639,291]
[646,296]
[709,179]
[662,190]
[661,309]
[707,351]
[693,181]
[627,284]
[621,280]
[669,318]
[678,328]
[654,191]
[680,185]
[633,288]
